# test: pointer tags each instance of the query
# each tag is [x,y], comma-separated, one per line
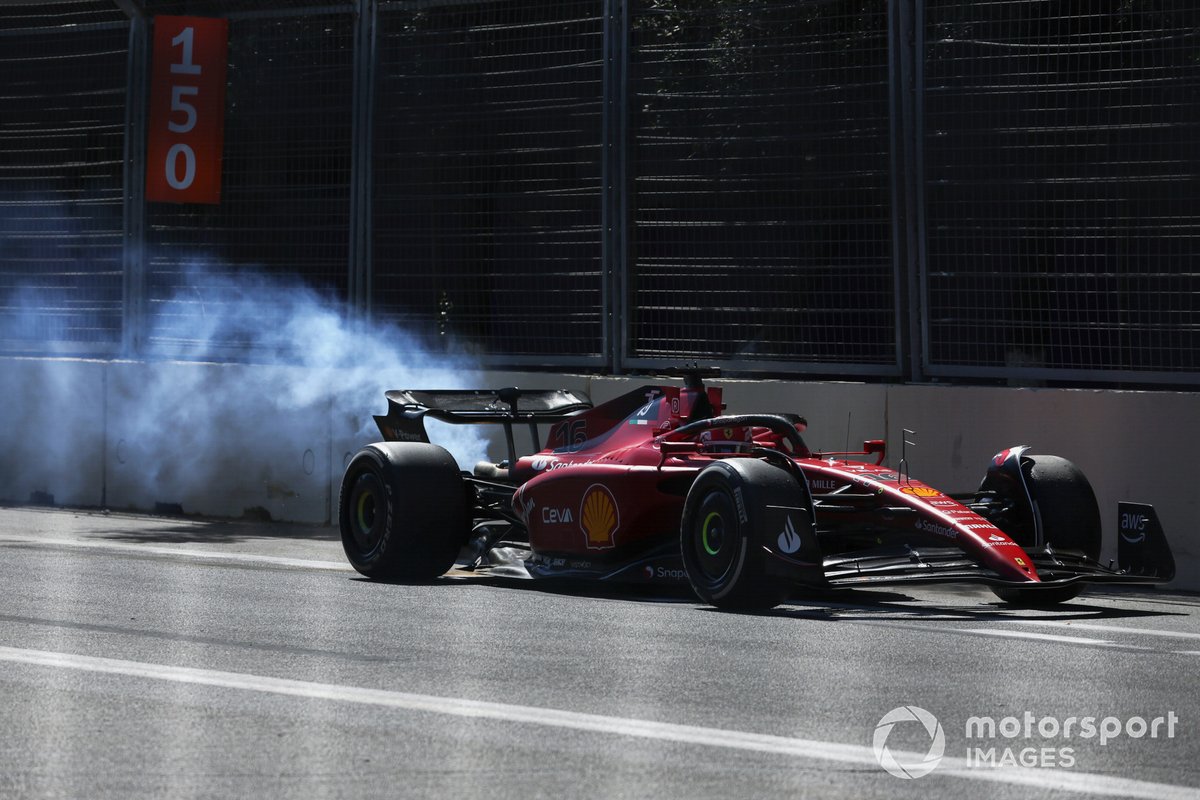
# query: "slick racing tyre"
[723,532]
[1066,504]
[402,511]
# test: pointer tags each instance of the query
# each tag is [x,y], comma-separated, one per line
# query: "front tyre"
[402,511]
[722,533]
[1070,518]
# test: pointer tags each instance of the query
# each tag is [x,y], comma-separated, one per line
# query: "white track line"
[151,550]
[1090,626]
[1050,637]
[1063,780]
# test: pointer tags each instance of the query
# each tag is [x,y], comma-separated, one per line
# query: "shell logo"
[598,517]
[920,491]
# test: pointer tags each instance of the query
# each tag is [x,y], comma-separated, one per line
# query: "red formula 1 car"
[659,486]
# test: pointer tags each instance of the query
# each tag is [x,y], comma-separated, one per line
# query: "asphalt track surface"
[157,657]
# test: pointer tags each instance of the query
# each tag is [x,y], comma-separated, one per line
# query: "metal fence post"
[615,182]
[134,211]
[905,37]
[359,280]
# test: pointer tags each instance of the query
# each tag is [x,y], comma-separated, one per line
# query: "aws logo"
[1133,527]
[598,517]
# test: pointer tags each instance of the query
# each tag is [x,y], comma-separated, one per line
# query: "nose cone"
[1001,554]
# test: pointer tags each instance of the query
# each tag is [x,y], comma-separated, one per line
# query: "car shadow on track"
[561,588]
[216,532]
[846,605]
[957,604]
[858,605]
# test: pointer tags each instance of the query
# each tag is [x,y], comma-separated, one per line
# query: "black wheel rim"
[366,513]
[715,536]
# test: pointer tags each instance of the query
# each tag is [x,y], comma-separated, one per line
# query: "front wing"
[949,565]
[1144,557]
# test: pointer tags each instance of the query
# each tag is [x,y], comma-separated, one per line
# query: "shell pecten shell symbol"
[598,517]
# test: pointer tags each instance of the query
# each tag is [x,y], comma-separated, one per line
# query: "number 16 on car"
[187,110]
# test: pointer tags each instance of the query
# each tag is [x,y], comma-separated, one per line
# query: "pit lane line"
[1092,784]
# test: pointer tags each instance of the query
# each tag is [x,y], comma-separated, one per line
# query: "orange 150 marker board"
[187,110]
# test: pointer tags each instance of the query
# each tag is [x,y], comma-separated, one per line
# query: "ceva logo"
[909,765]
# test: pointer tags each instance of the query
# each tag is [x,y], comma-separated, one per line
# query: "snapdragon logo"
[909,765]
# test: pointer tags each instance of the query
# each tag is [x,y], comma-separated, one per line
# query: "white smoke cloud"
[268,387]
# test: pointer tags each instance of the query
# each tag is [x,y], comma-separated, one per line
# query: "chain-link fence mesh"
[1063,185]
[487,174]
[285,196]
[762,215]
[62,115]
[629,184]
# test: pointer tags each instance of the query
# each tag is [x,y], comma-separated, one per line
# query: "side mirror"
[876,446]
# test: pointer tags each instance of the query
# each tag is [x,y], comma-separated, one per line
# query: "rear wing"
[407,409]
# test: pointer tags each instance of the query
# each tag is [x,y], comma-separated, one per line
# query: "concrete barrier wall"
[77,430]
[171,440]
[52,431]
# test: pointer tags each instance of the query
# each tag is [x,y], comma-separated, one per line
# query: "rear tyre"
[1064,500]
[402,511]
[721,535]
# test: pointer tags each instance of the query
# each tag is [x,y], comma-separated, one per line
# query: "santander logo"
[789,540]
